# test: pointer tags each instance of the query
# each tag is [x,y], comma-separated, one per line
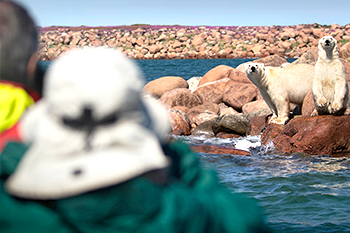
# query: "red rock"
[181,108]
[212,92]
[215,74]
[162,85]
[308,104]
[318,135]
[347,69]
[218,149]
[203,117]
[270,133]
[154,49]
[257,124]
[273,60]
[183,98]
[204,107]
[197,40]
[255,106]
[96,43]
[237,94]
[180,124]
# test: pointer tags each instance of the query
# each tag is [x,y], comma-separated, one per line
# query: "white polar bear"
[329,88]
[281,86]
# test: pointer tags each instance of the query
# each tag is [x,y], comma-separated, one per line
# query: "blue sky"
[188,12]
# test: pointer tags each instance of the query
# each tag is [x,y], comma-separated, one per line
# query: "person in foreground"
[99,160]
[20,75]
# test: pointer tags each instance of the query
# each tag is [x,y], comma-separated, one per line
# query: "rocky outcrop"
[317,135]
[185,42]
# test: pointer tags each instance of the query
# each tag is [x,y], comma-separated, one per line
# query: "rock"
[215,74]
[167,97]
[211,107]
[197,40]
[237,94]
[273,60]
[153,49]
[236,124]
[257,124]
[204,129]
[162,85]
[180,124]
[230,124]
[182,98]
[255,106]
[347,70]
[212,92]
[229,111]
[308,104]
[270,133]
[310,57]
[181,108]
[218,149]
[318,135]
[203,117]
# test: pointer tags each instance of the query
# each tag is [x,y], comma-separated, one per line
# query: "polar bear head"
[255,72]
[327,48]
[254,69]
[327,42]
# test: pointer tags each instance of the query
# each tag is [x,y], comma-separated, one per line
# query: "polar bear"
[281,86]
[329,87]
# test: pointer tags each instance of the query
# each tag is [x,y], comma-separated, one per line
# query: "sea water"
[298,192]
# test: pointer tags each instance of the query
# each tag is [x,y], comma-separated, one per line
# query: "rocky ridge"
[186,42]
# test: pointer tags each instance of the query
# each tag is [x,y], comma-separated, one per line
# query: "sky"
[187,12]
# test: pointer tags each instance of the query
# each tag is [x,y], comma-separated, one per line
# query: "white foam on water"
[242,143]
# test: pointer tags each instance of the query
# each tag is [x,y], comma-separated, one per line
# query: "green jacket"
[191,201]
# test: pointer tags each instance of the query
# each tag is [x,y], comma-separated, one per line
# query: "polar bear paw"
[334,108]
[279,120]
[314,113]
[322,102]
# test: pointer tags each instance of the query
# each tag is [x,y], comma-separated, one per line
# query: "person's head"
[18,44]
[93,128]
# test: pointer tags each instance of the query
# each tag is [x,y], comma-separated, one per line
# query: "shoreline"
[193,42]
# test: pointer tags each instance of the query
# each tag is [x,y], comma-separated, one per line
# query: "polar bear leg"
[282,106]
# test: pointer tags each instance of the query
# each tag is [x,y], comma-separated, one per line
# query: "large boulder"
[237,94]
[162,85]
[319,135]
[310,57]
[272,60]
[236,124]
[215,74]
[180,124]
[255,106]
[180,97]
[212,92]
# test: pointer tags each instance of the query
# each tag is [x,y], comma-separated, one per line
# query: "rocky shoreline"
[225,103]
[187,42]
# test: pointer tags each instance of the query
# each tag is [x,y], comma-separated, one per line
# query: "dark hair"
[18,41]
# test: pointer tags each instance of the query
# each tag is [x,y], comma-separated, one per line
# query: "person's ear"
[31,67]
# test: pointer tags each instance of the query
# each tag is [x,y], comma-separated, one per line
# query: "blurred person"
[20,75]
[99,160]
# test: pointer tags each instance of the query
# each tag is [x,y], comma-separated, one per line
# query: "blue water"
[298,192]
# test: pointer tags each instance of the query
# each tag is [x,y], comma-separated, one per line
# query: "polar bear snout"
[328,41]
[253,69]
